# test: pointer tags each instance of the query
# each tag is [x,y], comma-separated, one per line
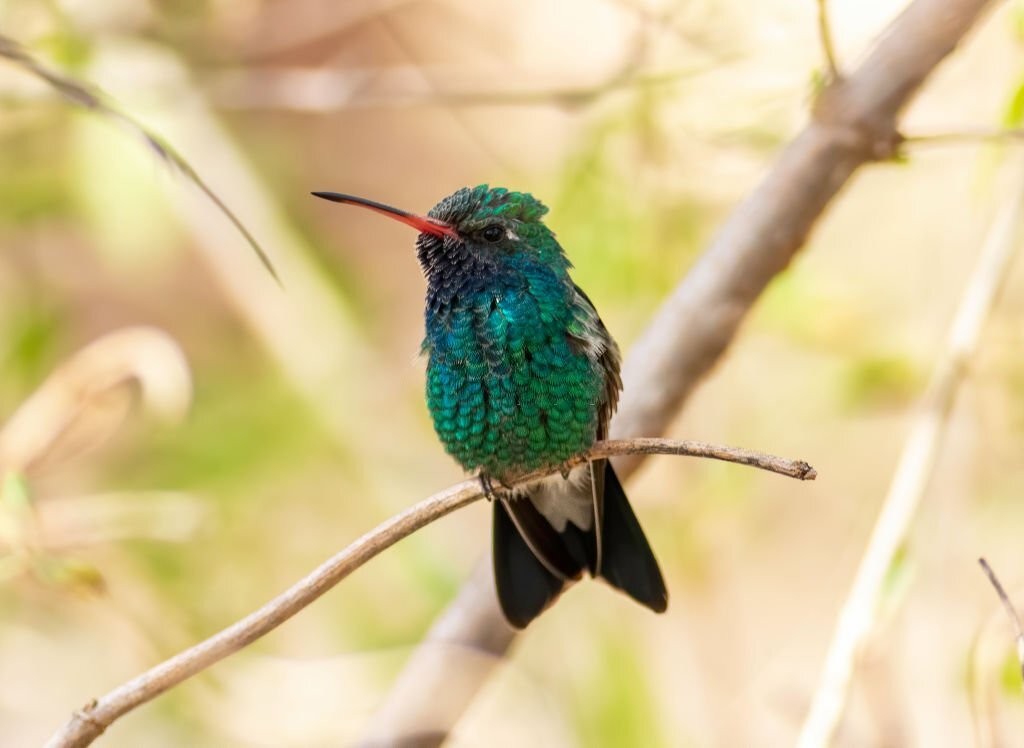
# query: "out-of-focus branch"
[89,722]
[965,136]
[1010,611]
[293,26]
[909,482]
[143,355]
[825,37]
[317,90]
[854,123]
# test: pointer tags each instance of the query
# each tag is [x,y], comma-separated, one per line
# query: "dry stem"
[1010,611]
[909,482]
[89,722]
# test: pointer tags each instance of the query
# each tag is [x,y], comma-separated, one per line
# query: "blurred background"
[274,425]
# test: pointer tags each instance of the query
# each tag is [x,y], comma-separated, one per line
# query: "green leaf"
[878,381]
[71,573]
[1013,115]
[14,493]
[1010,679]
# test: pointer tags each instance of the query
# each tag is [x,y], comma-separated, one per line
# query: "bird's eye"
[493,233]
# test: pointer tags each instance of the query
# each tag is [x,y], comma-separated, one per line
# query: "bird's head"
[481,226]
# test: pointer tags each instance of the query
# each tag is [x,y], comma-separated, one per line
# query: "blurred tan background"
[640,123]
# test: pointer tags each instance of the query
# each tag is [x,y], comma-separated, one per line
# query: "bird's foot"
[487,486]
[565,469]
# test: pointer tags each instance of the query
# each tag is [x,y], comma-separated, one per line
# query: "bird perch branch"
[89,722]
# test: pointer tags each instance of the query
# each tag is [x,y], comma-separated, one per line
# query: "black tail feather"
[525,586]
[628,562]
[533,561]
[557,552]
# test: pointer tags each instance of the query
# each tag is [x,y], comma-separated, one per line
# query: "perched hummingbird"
[521,375]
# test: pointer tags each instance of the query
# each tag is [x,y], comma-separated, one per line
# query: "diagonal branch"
[854,124]
[88,723]
[910,480]
[976,135]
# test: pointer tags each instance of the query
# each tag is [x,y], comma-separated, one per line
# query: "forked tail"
[533,562]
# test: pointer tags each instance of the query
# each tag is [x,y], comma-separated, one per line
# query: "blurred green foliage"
[881,381]
[618,707]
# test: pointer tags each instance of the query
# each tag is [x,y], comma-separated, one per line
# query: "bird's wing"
[591,337]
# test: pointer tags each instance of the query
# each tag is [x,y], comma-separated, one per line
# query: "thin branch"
[1010,611]
[825,36]
[854,124]
[89,722]
[318,90]
[87,97]
[965,136]
[913,472]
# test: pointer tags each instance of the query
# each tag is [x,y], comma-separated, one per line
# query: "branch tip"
[1011,611]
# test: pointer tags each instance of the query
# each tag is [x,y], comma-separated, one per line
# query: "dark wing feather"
[610,361]
[544,540]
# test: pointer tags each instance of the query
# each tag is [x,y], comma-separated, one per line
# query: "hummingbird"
[522,374]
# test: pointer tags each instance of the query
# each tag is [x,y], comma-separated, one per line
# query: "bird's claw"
[487,486]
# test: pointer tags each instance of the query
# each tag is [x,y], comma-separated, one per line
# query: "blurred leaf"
[14,493]
[1010,674]
[881,381]
[620,242]
[66,48]
[124,209]
[31,342]
[800,306]
[818,82]
[1017,20]
[167,566]
[74,574]
[242,429]
[897,582]
[15,512]
[618,708]
[28,191]
[1013,115]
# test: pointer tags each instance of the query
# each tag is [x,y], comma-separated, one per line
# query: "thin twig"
[825,36]
[87,97]
[1010,611]
[90,721]
[909,482]
[964,136]
[320,90]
